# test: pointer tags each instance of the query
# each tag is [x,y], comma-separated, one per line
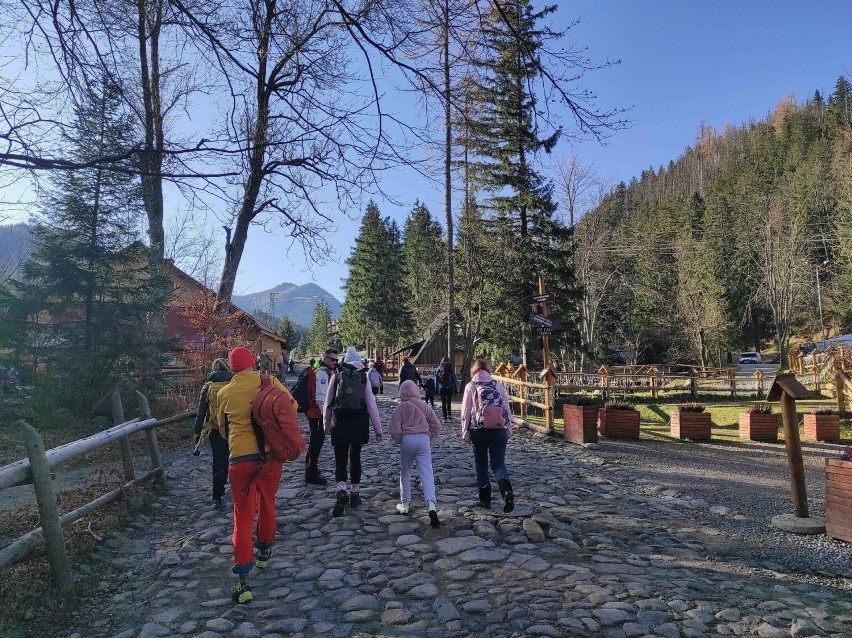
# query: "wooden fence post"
[794,455]
[604,372]
[549,394]
[123,442]
[47,509]
[839,383]
[655,389]
[693,384]
[153,446]
[521,375]
[758,374]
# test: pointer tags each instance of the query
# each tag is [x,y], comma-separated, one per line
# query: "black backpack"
[444,374]
[350,388]
[299,390]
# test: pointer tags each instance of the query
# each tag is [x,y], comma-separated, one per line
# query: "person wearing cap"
[254,476]
[350,427]
[206,427]
[409,373]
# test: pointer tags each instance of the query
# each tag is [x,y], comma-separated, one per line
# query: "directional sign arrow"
[544,321]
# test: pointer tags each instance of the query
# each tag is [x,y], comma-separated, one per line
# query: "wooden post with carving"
[604,372]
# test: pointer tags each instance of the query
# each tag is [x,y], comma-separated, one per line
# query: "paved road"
[583,554]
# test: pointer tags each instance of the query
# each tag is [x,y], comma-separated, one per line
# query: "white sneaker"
[402,508]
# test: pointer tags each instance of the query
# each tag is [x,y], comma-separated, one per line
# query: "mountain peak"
[294,301]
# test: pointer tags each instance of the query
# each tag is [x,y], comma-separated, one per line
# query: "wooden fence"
[37,469]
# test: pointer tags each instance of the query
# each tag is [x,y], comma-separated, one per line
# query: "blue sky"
[682,63]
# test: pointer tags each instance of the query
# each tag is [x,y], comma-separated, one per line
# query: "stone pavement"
[581,555]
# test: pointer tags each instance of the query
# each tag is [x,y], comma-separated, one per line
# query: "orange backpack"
[273,415]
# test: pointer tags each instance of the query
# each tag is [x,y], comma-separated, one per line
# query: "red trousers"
[253,488]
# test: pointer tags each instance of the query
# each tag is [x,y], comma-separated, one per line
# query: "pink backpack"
[489,409]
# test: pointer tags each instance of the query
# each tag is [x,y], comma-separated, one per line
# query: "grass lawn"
[725,415]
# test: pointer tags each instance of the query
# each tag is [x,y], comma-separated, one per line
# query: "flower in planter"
[759,408]
[691,407]
[822,410]
[581,399]
[846,455]
[620,405]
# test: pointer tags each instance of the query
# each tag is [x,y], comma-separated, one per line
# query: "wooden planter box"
[822,427]
[618,424]
[691,425]
[838,499]
[758,427]
[580,423]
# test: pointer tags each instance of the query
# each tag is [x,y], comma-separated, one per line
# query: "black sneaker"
[340,503]
[355,499]
[220,504]
[315,479]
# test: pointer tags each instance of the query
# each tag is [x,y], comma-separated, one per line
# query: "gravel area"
[737,488]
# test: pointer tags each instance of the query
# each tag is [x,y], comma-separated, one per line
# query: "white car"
[750,358]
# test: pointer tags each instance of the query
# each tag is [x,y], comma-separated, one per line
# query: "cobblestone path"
[583,554]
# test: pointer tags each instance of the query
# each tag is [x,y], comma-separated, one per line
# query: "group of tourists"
[341,402]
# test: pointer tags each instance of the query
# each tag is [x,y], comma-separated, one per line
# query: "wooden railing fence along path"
[37,469]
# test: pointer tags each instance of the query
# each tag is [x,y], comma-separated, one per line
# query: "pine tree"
[425,275]
[318,339]
[374,313]
[505,136]
[285,328]
[87,293]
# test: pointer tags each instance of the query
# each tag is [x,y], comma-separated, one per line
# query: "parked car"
[750,358]
[807,347]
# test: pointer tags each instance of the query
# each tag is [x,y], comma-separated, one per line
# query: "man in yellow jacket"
[254,479]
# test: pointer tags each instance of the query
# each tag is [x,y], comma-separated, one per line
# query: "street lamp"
[819,303]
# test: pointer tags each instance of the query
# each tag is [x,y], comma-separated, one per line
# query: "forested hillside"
[734,245]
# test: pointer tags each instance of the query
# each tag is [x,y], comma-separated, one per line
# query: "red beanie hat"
[240,359]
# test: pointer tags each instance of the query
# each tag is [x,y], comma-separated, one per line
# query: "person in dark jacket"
[205,427]
[409,373]
[447,385]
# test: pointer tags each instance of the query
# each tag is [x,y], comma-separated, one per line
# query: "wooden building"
[426,353]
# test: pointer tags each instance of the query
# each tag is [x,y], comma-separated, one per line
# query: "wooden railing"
[524,394]
[37,469]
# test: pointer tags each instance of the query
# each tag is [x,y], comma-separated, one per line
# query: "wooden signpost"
[786,389]
[545,326]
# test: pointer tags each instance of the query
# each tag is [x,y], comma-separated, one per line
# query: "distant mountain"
[297,302]
[15,242]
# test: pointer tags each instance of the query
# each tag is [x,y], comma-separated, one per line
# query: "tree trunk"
[448,194]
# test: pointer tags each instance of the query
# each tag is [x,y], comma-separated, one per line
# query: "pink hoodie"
[412,415]
[467,402]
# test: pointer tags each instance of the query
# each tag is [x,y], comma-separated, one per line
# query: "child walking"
[414,424]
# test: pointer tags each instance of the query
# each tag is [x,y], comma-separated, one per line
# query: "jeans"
[219,447]
[416,447]
[446,402]
[489,443]
[341,452]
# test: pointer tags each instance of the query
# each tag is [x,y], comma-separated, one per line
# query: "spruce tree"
[425,275]
[318,337]
[374,313]
[85,297]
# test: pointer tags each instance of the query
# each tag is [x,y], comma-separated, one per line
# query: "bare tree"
[578,183]
[194,248]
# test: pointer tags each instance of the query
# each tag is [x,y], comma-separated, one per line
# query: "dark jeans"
[317,437]
[353,452]
[219,447]
[489,443]
[446,402]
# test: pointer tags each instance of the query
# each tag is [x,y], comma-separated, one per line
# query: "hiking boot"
[241,593]
[263,556]
[507,494]
[355,499]
[485,496]
[220,504]
[340,503]
[402,508]
[433,514]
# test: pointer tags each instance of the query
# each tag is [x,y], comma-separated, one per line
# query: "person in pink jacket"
[487,423]
[413,425]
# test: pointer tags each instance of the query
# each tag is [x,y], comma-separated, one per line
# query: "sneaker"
[340,503]
[355,499]
[263,556]
[433,514]
[241,593]
[402,508]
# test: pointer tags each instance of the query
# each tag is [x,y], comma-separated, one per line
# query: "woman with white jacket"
[413,425]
